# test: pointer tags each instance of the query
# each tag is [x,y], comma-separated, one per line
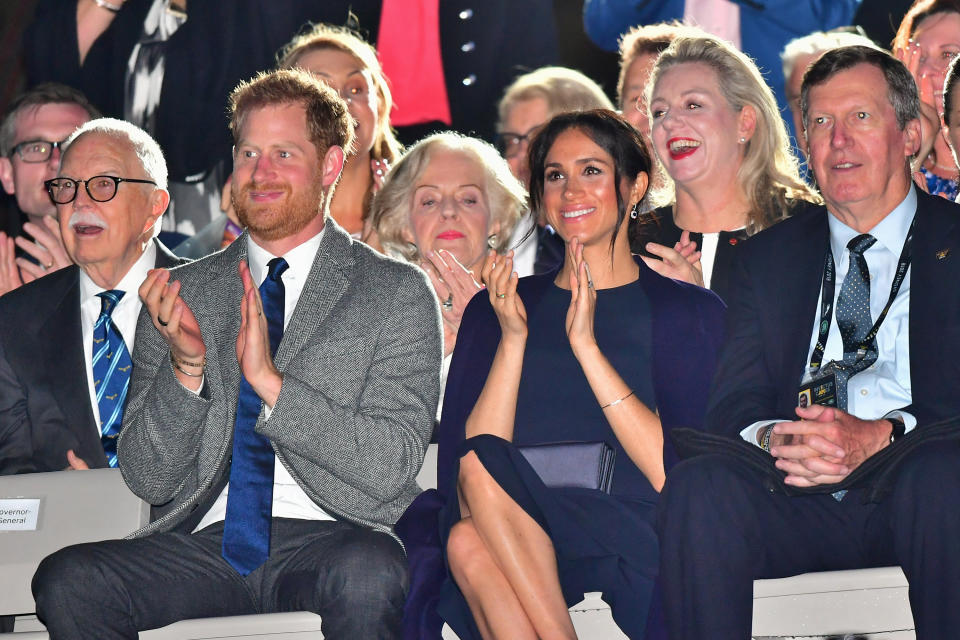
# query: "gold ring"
[501,295]
[47,266]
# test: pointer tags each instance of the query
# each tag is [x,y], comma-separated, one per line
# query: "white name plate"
[19,514]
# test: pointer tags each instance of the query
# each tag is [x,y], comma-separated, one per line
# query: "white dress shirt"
[884,387]
[124,315]
[289,500]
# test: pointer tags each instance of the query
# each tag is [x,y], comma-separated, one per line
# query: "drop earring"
[635,211]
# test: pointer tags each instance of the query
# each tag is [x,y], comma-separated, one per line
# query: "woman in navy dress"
[602,350]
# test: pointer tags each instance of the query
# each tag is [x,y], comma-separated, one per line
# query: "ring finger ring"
[47,266]
[501,295]
[162,323]
[448,303]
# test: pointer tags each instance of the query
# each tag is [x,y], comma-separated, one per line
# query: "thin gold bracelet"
[617,401]
[187,363]
[187,373]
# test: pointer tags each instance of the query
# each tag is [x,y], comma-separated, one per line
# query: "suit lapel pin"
[943,253]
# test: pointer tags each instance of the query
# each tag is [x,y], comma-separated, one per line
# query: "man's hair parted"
[328,121]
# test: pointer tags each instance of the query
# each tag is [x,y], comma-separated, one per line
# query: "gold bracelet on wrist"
[202,364]
[187,373]
[616,402]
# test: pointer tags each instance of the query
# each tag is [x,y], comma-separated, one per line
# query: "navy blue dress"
[603,542]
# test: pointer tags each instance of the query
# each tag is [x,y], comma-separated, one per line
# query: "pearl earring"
[492,241]
[743,140]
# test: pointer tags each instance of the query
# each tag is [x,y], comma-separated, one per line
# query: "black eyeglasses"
[99,188]
[35,150]
[512,144]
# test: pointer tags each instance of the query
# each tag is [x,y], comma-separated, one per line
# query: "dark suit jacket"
[44,398]
[771,315]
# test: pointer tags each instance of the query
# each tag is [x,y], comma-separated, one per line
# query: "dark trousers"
[720,530]
[354,578]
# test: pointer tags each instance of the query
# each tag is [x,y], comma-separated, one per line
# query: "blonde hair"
[563,90]
[392,205]
[318,37]
[769,174]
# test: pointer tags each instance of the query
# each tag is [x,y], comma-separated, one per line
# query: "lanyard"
[826,300]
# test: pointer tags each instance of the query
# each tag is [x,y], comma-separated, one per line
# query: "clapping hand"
[501,281]
[682,262]
[455,287]
[583,300]
[9,272]
[253,343]
[46,248]
[175,321]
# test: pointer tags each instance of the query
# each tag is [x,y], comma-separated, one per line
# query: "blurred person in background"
[349,65]
[927,40]
[35,126]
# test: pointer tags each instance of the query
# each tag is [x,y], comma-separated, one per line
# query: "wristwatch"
[899,428]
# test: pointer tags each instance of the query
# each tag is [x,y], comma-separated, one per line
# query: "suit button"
[467,47]
[469,80]
[466,14]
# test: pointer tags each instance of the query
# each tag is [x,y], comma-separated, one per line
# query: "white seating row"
[96,505]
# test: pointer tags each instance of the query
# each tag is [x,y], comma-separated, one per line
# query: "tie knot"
[861,243]
[276,268]
[109,300]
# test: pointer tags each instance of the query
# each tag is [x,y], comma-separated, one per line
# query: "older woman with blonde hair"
[448,201]
[347,63]
[719,137]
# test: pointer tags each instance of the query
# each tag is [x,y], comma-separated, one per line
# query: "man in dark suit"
[854,307]
[55,410]
[282,401]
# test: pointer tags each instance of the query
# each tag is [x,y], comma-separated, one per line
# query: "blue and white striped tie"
[111,373]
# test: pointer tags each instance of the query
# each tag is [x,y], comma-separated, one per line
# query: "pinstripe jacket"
[360,360]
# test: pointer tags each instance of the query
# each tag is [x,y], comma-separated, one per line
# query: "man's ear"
[159,200]
[747,122]
[912,135]
[332,165]
[6,175]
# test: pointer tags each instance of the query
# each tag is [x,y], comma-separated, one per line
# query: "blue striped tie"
[246,529]
[111,373]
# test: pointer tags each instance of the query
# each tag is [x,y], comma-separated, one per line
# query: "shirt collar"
[299,259]
[890,232]
[131,281]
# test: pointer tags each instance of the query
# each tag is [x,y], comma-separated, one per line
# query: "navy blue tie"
[246,530]
[111,373]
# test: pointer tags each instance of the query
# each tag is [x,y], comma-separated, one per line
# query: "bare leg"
[485,587]
[519,547]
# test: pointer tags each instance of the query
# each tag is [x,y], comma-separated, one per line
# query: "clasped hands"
[179,328]
[825,445]
[501,282]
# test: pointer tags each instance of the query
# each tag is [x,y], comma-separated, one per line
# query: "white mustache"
[87,219]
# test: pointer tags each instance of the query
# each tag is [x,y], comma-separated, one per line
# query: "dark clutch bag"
[584,465]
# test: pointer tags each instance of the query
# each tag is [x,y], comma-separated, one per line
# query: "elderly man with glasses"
[65,348]
[31,135]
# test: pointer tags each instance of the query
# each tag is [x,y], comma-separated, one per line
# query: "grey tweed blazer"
[360,360]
